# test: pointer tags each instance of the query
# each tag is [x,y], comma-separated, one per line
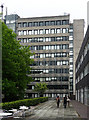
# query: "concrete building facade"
[51,38]
[82,72]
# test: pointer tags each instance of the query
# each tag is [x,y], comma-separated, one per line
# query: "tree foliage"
[40,88]
[15,65]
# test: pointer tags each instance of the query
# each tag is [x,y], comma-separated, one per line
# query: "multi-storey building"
[11,20]
[53,40]
[49,39]
[82,72]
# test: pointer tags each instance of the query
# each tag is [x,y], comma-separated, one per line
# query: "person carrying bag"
[68,101]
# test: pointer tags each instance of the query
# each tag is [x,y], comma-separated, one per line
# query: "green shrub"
[25,102]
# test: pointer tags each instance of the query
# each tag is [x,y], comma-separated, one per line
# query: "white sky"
[35,8]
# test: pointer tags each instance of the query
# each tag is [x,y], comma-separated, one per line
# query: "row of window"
[43,31]
[45,79]
[49,63]
[50,47]
[57,86]
[82,95]
[83,56]
[51,95]
[43,23]
[51,87]
[44,39]
[50,55]
[48,71]
[84,72]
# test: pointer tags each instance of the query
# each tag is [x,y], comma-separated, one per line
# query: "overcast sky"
[35,8]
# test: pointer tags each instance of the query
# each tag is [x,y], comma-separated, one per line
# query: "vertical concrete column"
[78,34]
[85,91]
[78,95]
[81,95]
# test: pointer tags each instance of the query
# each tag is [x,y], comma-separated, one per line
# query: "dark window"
[71,41]
[35,23]
[58,22]
[71,63]
[20,24]
[71,49]
[40,23]
[24,24]
[71,56]
[52,22]
[30,24]
[65,38]
[65,22]
[71,26]
[40,47]
[52,38]
[71,33]
[46,23]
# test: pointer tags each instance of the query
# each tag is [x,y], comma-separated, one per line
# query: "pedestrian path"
[82,109]
[49,111]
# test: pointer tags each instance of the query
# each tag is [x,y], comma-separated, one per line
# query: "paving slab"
[49,111]
[81,109]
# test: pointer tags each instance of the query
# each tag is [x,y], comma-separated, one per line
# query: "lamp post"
[2,10]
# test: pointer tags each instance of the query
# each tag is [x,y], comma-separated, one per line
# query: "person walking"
[68,101]
[65,101]
[58,101]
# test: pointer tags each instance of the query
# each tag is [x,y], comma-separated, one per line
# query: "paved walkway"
[81,109]
[49,111]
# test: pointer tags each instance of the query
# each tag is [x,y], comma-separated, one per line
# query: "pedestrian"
[65,101]
[68,101]
[58,101]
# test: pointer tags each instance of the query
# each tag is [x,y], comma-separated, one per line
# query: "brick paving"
[81,109]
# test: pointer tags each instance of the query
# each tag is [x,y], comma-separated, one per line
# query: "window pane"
[58,31]
[47,31]
[52,22]
[30,24]
[47,23]
[52,31]
[35,23]
[40,23]
[58,22]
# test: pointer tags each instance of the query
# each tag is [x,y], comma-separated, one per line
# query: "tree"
[15,65]
[40,88]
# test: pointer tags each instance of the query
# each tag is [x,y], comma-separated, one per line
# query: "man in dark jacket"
[65,101]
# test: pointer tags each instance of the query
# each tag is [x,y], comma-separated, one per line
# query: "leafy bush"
[25,102]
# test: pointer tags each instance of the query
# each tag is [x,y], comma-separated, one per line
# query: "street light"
[2,10]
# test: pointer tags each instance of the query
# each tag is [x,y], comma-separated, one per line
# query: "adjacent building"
[87,13]
[82,72]
[11,20]
[78,34]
